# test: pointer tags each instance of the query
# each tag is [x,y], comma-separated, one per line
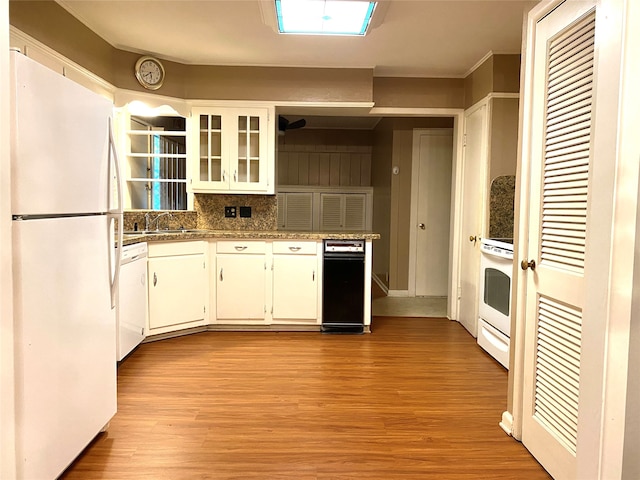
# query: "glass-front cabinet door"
[211,169]
[233,150]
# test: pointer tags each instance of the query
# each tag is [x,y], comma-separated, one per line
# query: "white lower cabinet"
[249,282]
[296,282]
[178,286]
[240,282]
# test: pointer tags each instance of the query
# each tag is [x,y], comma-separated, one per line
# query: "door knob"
[421,225]
[530,264]
[473,238]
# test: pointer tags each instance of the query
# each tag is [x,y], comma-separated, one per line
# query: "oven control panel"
[343,246]
[497,248]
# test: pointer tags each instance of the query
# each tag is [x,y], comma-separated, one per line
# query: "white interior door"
[474,191]
[433,156]
[560,158]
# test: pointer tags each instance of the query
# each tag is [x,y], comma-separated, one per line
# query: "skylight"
[324,17]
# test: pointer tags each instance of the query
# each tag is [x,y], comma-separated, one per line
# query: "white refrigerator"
[64,207]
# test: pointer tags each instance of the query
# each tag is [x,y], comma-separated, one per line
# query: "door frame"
[413,230]
[458,139]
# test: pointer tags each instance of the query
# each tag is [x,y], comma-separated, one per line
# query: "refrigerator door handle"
[115,215]
[116,163]
[115,253]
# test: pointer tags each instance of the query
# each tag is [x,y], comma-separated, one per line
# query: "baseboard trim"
[380,283]
[398,293]
[507,423]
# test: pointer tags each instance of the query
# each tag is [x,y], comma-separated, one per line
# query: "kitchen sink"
[162,232]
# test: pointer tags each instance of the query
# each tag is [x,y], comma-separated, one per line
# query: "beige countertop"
[130,238]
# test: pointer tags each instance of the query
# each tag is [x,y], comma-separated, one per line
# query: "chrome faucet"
[148,221]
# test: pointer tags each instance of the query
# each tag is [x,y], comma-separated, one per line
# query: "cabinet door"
[343,211]
[295,211]
[211,136]
[354,211]
[178,290]
[240,287]
[248,149]
[295,287]
[331,211]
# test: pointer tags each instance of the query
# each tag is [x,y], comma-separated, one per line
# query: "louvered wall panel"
[557,375]
[567,147]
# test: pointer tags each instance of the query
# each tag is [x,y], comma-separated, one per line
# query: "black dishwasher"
[343,286]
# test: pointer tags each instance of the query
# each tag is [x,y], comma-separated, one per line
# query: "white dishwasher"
[132,298]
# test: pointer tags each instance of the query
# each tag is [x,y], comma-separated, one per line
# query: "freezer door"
[65,340]
[59,143]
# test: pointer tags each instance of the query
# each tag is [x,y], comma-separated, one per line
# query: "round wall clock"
[149,72]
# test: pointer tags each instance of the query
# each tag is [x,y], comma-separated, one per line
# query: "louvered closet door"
[560,163]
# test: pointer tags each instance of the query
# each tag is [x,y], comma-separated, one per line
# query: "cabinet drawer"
[241,246]
[295,247]
[167,249]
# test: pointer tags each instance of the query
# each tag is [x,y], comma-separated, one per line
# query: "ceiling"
[407,38]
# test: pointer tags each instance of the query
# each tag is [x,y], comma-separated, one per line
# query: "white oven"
[494,310]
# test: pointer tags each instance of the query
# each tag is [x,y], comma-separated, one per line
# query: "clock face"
[150,73]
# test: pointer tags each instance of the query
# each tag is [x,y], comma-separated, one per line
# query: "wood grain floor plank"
[415,399]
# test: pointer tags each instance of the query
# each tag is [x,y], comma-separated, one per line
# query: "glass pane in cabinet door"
[139,195]
[254,171]
[254,145]
[242,124]
[242,171]
[204,170]
[204,158]
[215,144]
[216,169]
[254,123]
[140,144]
[139,167]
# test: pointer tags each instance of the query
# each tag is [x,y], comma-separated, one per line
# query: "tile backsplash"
[210,212]
[501,206]
[174,221]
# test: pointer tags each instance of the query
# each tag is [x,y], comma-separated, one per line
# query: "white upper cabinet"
[232,150]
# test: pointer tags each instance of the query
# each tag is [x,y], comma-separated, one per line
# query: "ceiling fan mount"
[284,124]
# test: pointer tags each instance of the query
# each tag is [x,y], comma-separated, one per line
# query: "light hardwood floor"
[415,399]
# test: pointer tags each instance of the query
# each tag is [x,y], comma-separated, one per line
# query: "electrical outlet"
[230,212]
[245,212]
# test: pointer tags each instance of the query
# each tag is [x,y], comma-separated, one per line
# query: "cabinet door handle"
[235,175]
[155,279]
[221,277]
[224,176]
[294,249]
[313,276]
[240,247]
